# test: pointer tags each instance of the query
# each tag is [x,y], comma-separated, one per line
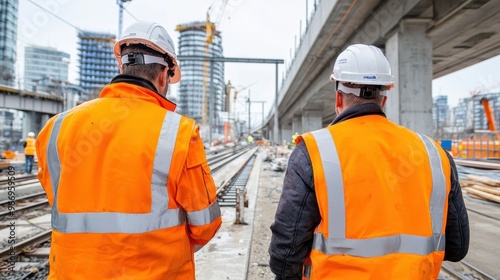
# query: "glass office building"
[440,113]
[8,38]
[42,63]
[197,75]
[97,62]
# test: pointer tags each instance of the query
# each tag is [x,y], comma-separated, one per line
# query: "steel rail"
[17,249]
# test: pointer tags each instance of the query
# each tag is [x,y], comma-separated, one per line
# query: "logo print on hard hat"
[342,61]
[370,77]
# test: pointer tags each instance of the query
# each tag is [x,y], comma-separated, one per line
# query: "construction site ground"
[252,262]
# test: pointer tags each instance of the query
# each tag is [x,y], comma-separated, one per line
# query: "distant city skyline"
[469,115]
[460,84]
[44,63]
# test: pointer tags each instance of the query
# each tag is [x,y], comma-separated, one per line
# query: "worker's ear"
[338,99]
[383,101]
[338,102]
[163,77]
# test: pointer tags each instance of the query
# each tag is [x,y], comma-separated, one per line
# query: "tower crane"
[227,125]
[120,16]
[216,10]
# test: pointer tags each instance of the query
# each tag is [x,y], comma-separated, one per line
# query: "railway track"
[217,161]
[463,270]
[31,251]
[20,180]
[24,204]
[227,194]
[29,259]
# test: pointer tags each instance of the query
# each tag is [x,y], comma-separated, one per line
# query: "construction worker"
[29,152]
[250,139]
[127,178]
[365,198]
[294,138]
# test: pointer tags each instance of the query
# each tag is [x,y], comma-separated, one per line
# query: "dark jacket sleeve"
[457,223]
[296,217]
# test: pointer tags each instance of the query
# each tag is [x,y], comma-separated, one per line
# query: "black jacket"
[298,213]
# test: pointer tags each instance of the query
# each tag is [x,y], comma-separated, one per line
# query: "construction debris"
[481,187]
[277,157]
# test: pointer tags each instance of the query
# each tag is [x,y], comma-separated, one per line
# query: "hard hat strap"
[139,58]
[367,92]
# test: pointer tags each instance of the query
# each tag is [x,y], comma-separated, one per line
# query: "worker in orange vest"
[365,198]
[127,178]
[29,152]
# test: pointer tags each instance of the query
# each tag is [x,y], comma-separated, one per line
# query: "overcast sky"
[250,28]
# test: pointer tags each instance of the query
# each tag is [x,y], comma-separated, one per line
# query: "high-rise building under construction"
[97,62]
[197,76]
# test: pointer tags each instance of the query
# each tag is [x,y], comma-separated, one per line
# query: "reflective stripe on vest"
[337,243]
[160,216]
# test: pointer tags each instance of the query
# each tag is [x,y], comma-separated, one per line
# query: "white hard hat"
[363,65]
[154,37]
[31,134]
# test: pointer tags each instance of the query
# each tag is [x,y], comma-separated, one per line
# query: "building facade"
[201,78]
[440,114]
[8,38]
[41,63]
[97,61]
[469,115]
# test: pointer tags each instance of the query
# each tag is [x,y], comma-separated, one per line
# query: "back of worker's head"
[145,50]
[362,75]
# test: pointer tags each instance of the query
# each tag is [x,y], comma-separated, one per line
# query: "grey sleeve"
[296,217]
[457,223]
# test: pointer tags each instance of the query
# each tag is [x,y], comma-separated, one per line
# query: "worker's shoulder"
[182,118]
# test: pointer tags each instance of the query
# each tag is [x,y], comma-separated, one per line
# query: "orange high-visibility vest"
[29,150]
[382,192]
[130,189]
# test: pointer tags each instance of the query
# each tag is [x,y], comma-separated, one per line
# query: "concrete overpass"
[38,107]
[12,98]
[422,39]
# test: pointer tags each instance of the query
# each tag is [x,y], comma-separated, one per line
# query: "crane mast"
[120,16]
[216,10]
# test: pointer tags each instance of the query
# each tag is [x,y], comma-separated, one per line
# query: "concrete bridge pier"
[297,124]
[409,52]
[33,121]
[45,118]
[286,133]
[312,120]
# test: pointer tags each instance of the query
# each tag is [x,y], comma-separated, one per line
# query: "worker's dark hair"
[148,71]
